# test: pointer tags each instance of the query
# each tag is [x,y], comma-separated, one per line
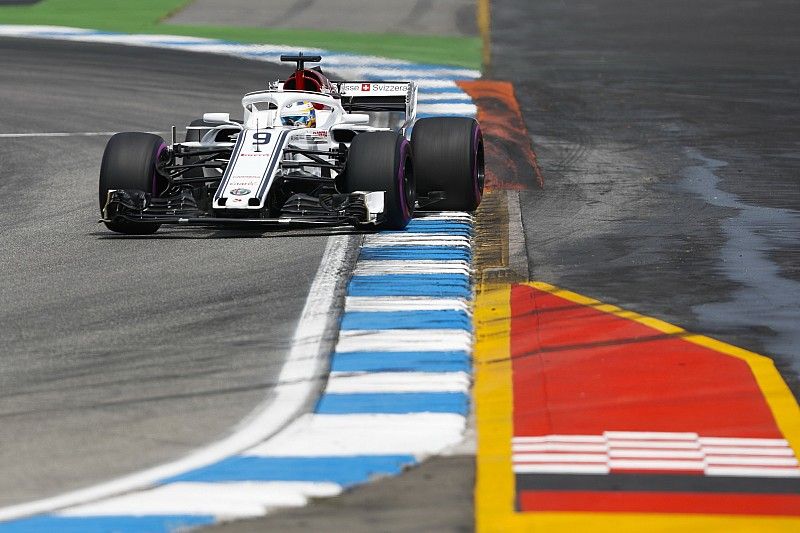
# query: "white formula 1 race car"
[309,151]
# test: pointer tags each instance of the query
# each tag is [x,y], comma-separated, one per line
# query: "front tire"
[448,157]
[381,161]
[129,162]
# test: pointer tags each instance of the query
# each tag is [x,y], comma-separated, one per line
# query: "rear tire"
[129,162]
[381,161]
[448,157]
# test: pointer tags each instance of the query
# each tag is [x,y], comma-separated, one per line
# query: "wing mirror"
[217,117]
[355,118]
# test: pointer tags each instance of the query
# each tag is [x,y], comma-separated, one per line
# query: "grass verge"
[146,16]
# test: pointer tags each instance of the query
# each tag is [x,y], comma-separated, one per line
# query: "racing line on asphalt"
[67,134]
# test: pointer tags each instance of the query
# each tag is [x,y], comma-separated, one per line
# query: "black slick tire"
[129,162]
[381,161]
[449,158]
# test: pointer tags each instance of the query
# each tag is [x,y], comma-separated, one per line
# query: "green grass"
[146,16]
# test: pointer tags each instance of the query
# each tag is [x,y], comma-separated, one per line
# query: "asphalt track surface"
[122,353]
[420,17]
[668,137]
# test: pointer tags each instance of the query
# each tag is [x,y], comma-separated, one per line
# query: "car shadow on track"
[194,234]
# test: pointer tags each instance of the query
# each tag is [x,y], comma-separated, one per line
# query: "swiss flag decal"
[365,86]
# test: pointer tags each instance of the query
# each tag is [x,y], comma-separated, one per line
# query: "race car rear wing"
[400,96]
[375,96]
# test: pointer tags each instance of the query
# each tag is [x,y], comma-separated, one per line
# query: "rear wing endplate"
[398,96]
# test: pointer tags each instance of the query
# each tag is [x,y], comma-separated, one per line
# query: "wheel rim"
[408,186]
[406,182]
[161,149]
[479,169]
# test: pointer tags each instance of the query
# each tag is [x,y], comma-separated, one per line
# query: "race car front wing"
[357,208]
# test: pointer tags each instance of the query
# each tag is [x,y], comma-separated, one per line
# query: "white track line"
[649,435]
[451,109]
[418,239]
[404,303]
[565,439]
[223,500]
[379,267]
[663,444]
[312,435]
[298,383]
[578,458]
[728,441]
[741,471]
[726,460]
[407,340]
[452,216]
[562,469]
[450,97]
[656,454]
[368,382]
[66,134]
[548,447]
[755,450]
[643,464]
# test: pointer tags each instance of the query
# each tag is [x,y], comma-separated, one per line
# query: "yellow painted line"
[485,27]
[495,491]
[494,487]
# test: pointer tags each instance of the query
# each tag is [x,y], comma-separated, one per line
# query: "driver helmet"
[299,114]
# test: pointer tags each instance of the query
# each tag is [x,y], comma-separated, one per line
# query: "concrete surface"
[417,17]
[434,497]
